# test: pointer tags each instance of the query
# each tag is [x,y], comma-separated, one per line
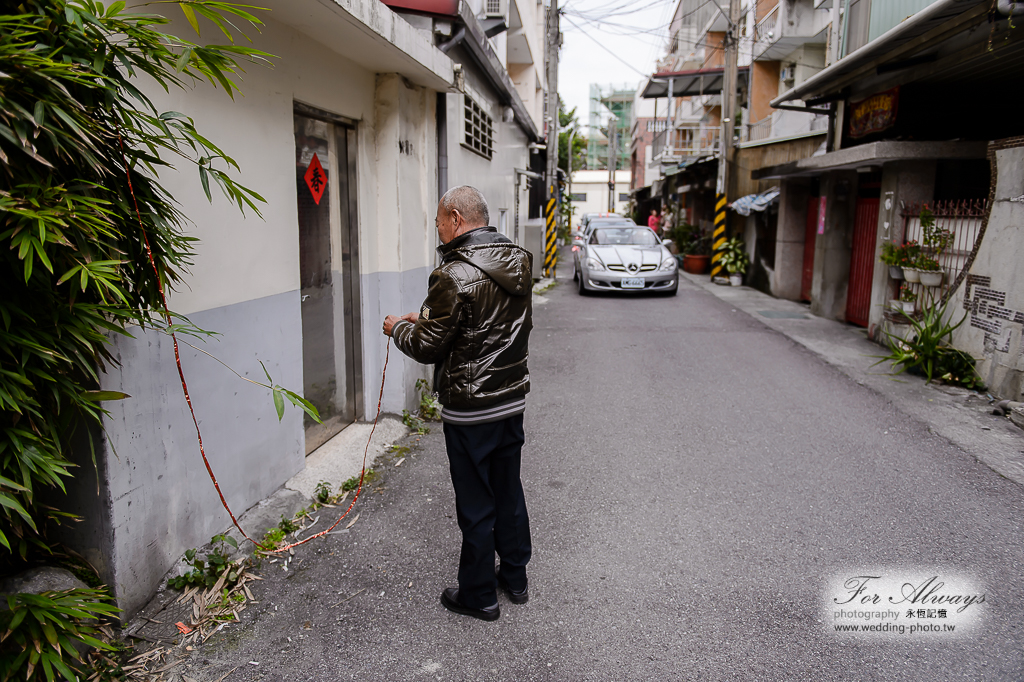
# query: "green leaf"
[183,60]
[269,380]
[279,404]
[49,633]
[64,670]
[9,502]
[204,178]
[307,407]
[97,396]
[191,16]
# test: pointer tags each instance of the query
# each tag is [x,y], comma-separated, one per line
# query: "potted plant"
[735,260]
[892,256]
[908,261]
[680,236]
[935,241]
[697,258]
[929,271]
[909,299]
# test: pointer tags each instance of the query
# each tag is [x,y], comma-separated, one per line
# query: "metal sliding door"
[862,262]
[328,273]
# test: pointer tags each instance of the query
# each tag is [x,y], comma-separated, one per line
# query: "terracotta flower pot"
[696,265]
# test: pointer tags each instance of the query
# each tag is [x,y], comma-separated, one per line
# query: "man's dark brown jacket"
[475,323]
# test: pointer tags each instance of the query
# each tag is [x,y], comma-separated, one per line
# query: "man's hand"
[390,320]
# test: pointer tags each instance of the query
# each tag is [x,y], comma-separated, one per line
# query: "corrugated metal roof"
[924,28]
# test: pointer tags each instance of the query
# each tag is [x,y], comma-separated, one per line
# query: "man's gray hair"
[470,202]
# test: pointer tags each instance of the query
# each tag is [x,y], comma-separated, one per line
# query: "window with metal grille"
[479,129]
[493,8]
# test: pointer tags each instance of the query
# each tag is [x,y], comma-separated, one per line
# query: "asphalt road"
[696,482]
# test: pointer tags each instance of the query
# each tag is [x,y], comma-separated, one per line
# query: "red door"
[862,262]
[810,235]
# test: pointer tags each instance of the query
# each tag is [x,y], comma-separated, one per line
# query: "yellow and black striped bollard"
[550,232]
[718,238]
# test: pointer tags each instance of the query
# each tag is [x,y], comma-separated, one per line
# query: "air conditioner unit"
[494,9]
[787,73]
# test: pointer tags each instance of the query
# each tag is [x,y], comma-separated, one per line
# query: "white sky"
[635,33]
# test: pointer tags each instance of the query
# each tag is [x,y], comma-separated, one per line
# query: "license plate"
[632,282]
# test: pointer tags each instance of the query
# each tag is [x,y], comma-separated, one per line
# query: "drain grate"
[782,315]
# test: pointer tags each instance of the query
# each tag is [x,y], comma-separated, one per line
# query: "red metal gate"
[810,236]
[862,262]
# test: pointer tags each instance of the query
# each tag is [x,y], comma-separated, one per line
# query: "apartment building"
[907,133]
[609,105]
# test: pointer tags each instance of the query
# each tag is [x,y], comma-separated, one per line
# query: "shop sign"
[874,114]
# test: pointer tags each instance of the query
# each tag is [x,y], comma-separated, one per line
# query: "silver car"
[579,239]
[625,258]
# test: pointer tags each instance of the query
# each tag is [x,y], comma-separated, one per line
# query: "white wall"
[993,332]
[156,499]
[595,185]
[495,177]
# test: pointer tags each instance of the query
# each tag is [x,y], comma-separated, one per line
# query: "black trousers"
[490,505]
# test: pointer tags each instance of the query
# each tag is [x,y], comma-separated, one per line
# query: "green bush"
[208,570]
[40,633]
[88,237]
[926,351]
[734,257]
[430,409]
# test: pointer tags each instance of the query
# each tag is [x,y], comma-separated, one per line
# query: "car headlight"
[670,265]
[595,264]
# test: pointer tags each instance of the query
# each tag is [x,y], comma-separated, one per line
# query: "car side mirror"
[666,242]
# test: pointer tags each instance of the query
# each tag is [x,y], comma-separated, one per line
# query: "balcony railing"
[785,124]
[764,31]
[685,141]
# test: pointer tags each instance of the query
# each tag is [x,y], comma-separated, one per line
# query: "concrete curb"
[960,416]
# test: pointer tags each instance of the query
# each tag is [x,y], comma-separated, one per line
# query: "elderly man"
[474,327]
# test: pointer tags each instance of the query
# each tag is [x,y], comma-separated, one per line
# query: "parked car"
[625,258]
[595,219]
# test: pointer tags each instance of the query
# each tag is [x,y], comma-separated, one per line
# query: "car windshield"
[612,222]
[632,236]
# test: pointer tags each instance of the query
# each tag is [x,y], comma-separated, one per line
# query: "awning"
[691,83]
[874,154]
[755,202]
[920,31]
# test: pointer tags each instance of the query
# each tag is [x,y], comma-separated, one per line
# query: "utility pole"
[551,176]
[568,164]
[613,159]
[725,145]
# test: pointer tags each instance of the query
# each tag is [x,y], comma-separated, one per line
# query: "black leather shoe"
[450,600]
[515,596]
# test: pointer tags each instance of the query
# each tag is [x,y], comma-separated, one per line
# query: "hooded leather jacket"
[474,325]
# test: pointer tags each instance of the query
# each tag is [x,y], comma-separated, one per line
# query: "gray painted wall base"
[390,293]
[155,498]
